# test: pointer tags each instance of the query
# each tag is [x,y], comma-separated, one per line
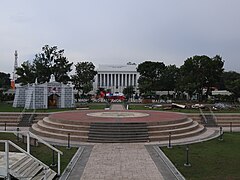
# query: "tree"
[84,76]
[26,73]
[150,76]
[49,61]
[169,77]
[201,72]
[128,91]
[231,81]
[5,81]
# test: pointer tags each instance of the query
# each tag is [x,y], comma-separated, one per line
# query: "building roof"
[118,68]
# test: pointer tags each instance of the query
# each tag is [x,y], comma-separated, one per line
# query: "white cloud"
[109,31]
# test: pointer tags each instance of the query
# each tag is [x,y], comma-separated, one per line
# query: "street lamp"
[221,134]
[187,164]
[169,140]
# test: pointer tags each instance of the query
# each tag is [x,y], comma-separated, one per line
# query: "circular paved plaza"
[117,116]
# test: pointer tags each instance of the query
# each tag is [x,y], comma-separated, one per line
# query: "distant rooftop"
[117,68]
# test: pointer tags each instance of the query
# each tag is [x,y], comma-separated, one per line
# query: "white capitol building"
[116,77]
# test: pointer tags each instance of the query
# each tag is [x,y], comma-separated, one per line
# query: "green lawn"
[41,152]
[7,107]
[210,160]
[145,107]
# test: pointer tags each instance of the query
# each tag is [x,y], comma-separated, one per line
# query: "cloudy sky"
[119,31]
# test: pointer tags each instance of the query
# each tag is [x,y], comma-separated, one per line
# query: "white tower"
[15,66]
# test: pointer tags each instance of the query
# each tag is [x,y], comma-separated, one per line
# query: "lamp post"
[17,134]
[231,127]
[187,164]
[221,134]
[68,147]
[169,140]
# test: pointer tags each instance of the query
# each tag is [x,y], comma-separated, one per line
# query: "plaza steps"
[11,119]
[109,132]
[29,169]
[57,130]
[118,132]
[182,129]
[222,119]
[210,121]
[26,120]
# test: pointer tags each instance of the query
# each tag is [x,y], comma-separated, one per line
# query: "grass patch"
[210,160]
[42,152]
[7,107]
[145,107]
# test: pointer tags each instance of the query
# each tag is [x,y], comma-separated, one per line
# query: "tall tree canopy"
[84,76]
[200,72]
[231,81]
[150,76]
[170,77]
[128,91]
[49,61]
[5,81]
[26,73]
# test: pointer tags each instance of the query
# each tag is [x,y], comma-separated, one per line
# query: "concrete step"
[62,121]
[118,140]
[44,127]
[48,122]
[118,130]
[36,130]
[92,135]
[191,127]
[118,124]
[178,136]
[170,126]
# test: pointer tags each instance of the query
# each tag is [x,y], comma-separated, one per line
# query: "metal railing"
[202,114]
[7,143]
[21,115]
[213,115]
[29,134]
[32,116]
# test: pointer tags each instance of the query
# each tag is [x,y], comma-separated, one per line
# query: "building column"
[103,82]
[106,80]
[100,80]
[131,79]
[109,80]
[126,80]
[134,81]
[115,82]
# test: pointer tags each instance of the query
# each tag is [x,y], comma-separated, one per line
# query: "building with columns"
[116,77]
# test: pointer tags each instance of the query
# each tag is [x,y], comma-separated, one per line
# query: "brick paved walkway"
[117,107]
[120,161]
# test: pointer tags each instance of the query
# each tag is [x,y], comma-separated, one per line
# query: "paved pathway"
[117,107]
[120,161]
